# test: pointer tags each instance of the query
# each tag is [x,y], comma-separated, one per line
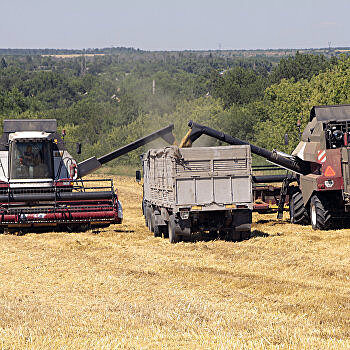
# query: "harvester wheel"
[297,211]
[173,237]
[321,218]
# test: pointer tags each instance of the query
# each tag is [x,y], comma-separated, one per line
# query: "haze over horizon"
[156,25]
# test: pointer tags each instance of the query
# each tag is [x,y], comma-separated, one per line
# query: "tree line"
[106,101]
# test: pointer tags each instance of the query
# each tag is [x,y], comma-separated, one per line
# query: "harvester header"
[41,184]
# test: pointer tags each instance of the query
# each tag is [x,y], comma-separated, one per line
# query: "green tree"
[301,66]
[3,63]
[238,86]
[288,101]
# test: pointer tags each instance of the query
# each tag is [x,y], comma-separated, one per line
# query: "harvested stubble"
[287,287]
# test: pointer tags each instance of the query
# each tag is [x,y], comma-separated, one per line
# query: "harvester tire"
[173,237]
[297,211]
[321,218]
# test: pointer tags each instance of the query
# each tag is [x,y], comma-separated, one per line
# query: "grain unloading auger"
[320,163]
[41,185]
[275,157]
[282,160]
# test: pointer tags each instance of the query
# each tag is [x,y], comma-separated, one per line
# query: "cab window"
[30,160]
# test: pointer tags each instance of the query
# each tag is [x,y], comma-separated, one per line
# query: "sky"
[174,25]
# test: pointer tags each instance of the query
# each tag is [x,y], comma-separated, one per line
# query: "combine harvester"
[41,185]
[320,164]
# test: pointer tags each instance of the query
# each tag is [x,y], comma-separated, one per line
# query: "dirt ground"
[287,287]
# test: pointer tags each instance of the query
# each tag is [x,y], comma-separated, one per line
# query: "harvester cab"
[29,156]
[42,185]
[32,154]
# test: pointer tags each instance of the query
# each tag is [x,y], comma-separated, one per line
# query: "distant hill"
[278,53]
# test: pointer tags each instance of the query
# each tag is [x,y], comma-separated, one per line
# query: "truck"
[205,190]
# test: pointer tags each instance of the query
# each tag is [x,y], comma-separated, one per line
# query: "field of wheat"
[288,287]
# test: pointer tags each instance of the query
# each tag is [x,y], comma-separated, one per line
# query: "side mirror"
[78,147]
[138,175]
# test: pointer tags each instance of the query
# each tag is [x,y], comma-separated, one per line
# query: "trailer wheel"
[321,218]
[173,237]
[298,213]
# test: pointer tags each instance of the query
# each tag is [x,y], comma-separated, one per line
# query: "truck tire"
[144,211]
[143,208]
[297,211]
[230,235]
[245,235]
[173,237]
[321,218]
[156,231]
[235,236]
[164,231]
[149,218]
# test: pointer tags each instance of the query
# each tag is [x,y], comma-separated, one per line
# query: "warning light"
[329,172]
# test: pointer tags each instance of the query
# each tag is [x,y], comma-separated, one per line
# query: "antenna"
[83,63]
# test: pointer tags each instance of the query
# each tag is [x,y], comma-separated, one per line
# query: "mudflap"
[242,220]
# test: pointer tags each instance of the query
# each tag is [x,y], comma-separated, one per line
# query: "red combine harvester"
[42,186]
[319,165]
